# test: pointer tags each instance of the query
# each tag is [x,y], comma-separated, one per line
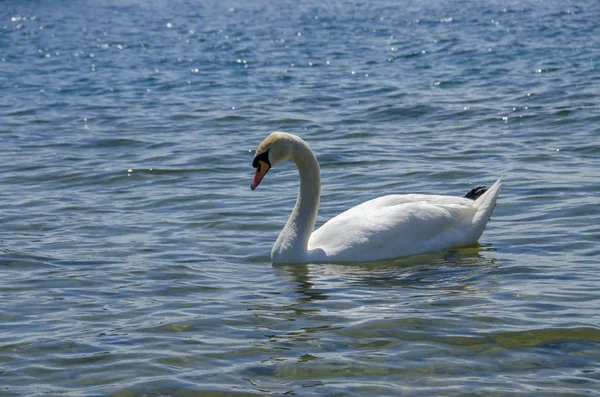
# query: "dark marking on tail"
[475,193]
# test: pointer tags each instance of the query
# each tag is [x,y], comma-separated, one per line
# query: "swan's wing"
[394,225]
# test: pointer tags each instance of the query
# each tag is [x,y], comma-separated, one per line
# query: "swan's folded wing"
[394,226]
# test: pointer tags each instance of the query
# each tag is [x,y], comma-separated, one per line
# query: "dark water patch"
[16,259]
[114,143]
[400,113]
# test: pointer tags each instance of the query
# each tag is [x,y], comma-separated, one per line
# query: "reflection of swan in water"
[300,275]
[386,227]
[453,271]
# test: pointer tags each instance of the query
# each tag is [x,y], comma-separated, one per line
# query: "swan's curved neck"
[292,243]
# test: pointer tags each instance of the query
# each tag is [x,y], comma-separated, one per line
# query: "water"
[135,258]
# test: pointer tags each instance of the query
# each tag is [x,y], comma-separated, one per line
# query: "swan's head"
[274,149]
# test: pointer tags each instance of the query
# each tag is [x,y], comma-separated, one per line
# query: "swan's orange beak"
[261,170]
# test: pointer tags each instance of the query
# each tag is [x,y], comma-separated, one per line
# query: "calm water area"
[135,259]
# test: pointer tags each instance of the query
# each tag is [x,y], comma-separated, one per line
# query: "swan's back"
[402,225]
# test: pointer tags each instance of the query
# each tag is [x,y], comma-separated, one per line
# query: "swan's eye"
[264,157]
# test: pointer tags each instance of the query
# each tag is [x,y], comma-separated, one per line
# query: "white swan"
[385,227]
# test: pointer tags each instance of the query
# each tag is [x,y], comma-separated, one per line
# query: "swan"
[382,228]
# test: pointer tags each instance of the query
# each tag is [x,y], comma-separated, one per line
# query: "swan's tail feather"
[485,204]
[475,193]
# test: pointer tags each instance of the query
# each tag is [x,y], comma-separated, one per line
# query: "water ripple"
[135,258]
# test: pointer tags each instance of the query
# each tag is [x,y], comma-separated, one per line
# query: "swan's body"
[385,227]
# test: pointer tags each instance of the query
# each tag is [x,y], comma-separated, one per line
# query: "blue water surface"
[134,258]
